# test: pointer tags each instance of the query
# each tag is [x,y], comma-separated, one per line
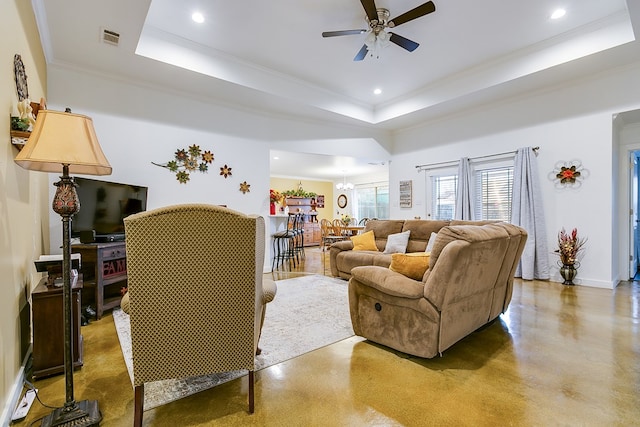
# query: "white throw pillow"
[397,243]
[432,240]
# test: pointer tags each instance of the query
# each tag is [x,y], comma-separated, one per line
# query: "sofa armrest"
[334,250]
[388,282]
[269,290]
[345,245]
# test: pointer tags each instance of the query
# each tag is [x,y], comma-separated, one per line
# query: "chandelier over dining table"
[344,185]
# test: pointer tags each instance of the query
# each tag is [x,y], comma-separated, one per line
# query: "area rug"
[308,313]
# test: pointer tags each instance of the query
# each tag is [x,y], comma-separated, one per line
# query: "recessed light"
[276,158]
[559,13]
[197,17]
[377,91]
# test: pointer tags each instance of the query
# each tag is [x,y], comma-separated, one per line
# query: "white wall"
[133,141]
[572,122]
[131,146]
[23,205]
[137,125]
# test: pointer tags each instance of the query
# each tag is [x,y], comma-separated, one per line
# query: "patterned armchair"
[195,293]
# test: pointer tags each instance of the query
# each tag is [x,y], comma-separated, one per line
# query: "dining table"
[353,229]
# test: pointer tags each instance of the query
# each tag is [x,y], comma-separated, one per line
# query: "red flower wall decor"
[568,174]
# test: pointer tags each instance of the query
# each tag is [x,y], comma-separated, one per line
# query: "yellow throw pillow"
[364,242]
[412,265]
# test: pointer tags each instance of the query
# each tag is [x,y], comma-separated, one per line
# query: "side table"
[48,329]
[104,268]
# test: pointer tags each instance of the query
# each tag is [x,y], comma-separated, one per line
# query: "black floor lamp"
[66,142]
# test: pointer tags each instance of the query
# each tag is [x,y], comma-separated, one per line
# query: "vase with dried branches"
[570,245]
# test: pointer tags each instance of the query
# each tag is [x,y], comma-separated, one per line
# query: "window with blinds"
[443,195]
[493,194]
[492,199]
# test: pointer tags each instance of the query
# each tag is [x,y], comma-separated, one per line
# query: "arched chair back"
[195,293]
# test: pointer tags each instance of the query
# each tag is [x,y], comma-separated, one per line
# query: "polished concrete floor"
[560,356]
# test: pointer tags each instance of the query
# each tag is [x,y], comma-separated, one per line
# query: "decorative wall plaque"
[405,194]
[20,77]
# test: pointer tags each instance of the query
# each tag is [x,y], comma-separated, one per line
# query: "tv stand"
[106,238]
[104,268]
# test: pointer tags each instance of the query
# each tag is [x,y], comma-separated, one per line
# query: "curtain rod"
[455,162]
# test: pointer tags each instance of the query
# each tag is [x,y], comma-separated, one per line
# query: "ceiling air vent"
[110,37]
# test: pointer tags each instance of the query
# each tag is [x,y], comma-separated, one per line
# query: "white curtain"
[464,193]
[528,213]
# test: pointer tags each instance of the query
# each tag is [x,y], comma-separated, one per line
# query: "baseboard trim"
[16,393]
[579,281]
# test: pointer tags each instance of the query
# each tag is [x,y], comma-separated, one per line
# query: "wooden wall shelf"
[19,138]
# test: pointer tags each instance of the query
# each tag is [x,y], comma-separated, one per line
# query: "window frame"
[477,168]
[376,208]
[494,165]
[429,177]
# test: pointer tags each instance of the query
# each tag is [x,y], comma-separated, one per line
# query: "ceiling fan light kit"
[378,19]
[376,42]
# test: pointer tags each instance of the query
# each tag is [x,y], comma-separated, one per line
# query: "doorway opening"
[634,226]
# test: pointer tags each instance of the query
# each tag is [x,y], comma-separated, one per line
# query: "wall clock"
[21,78]
[342,201]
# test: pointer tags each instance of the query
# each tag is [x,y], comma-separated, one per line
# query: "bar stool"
[283,244]
[298,226]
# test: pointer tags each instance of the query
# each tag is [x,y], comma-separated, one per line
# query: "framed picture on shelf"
[405,194]
[320,201]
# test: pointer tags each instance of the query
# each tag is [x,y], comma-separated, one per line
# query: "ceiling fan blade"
[370,9]
[403,42]
[361,53]
[417,12]
[342,33]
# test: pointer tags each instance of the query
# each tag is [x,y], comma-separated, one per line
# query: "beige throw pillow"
[397,243]
[432,240]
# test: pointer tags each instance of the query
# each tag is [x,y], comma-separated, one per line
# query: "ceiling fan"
[378,19]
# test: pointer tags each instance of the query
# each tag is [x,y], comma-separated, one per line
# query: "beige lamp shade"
[60,138]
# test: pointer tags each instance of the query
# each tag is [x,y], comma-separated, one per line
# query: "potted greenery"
[299,193]
[20,124]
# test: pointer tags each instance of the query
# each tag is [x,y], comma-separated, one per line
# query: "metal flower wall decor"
[568,174]
[187,161]
[194,159]
[225,171]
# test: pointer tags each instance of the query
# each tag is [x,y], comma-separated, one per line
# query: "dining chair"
[338,227]
[329,236]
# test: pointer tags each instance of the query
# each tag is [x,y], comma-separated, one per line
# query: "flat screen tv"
[104,205]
